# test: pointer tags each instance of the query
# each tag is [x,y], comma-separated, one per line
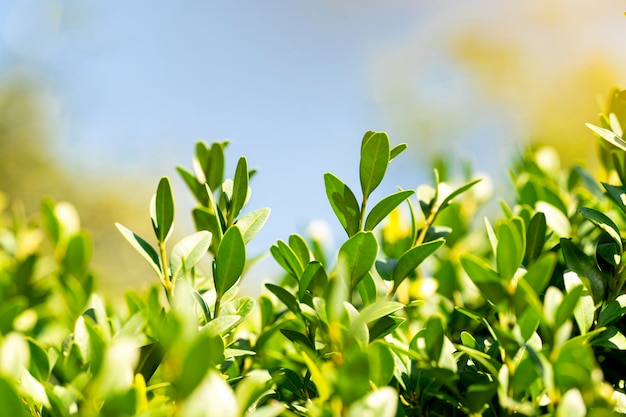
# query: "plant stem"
[363,206]
[165,278]
[218,301]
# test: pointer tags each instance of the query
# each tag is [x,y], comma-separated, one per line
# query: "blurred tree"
[29,171]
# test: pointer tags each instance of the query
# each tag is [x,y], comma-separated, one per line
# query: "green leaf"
[298,338]
[205,219]
[285,296]
[11,404]
[539,273]
[611,338]
[617,194]
[343,203]
[367,289]
[251,223]
[380,403]
[374,161]
[484,277]
[197,189]
[584,311]
[301,249]
[222,325]
[381,363]
[609,136]
[412,258]
[604,223]
[586,268]
[446,201]
[535,237]
[379,309]
[205,352]
[150,357]
[397,150]
[49,221]
[286,257]
[384,207]
[143,247]
[567,307]
[510,250]
[162,210]
[229,261]
[240,189]
[188,252]
[613,311]
[357,256]
[572,405]
[78,253]
[433,337]
[313,279]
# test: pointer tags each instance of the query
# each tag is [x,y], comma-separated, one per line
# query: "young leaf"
[299,246]
[240,189]
[143,247]
[412,258]
[229,261]
[205,219]
[384,207]
[285,256]
[397,150]
[251,223]
[162,210]
[188,252]
[379,309]
[357,256]
[343,203]
[446,201]
[374,161]
[609,136]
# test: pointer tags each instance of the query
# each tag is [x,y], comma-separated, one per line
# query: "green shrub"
[420,313]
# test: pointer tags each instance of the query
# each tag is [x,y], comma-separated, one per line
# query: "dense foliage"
[420,313]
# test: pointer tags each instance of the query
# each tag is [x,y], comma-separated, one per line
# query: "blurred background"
[98,100]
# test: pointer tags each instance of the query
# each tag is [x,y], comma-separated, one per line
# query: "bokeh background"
[99,99]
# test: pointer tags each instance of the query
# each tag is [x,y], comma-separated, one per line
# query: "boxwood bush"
[424,310]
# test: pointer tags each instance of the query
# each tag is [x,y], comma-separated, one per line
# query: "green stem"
[363,206]
[165,278]
[218,301]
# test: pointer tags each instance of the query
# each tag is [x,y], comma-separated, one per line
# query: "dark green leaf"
[197,189]
[613,311]
[535,237]
[586,268]
[604,223]
[384,326]
[143,247]
[565,310]
[251,223]
[240,188]
[374,161]
[162,210]
[433,337]
[367,289]
[343,203]
[150,357]
[357,256]
[229,261]
[285,296]
[298,338]
[617,194]
[205,219]
[384,207]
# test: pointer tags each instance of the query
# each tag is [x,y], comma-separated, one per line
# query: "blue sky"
[129,87]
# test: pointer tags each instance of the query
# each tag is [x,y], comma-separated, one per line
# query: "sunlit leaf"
[374,161]
[343,203]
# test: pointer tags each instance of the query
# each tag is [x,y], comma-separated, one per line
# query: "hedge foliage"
[425,310]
